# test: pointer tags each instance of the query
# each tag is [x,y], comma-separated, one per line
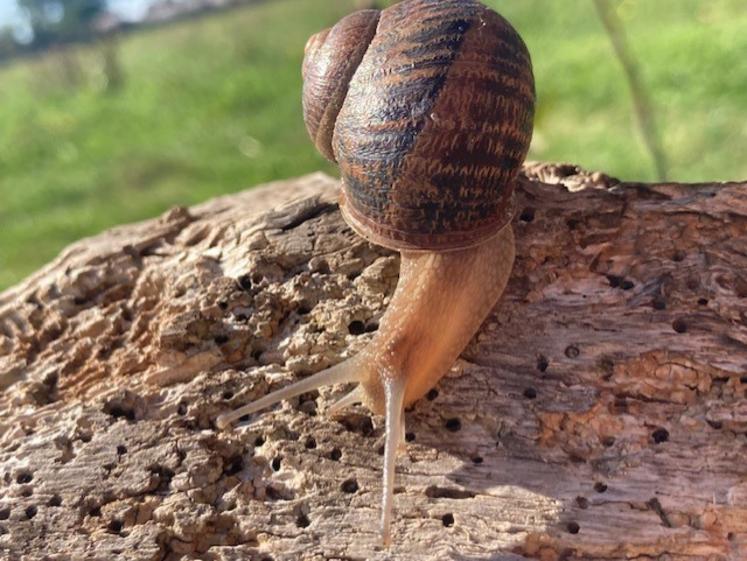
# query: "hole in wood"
[436,492]
[573,527]
[303,308]
[357,423]
[660,435]
[448,520]
[335,454]
[572,351]
[245,282]
[453,424]
[30,512]
[24,477]
[276,462]
[527,215]
[432,394]
[356,327]
[349,486]
[542,363]
[119,411]
[310,443]
[530,393]
[582,502]
[233,465]
[679,325]
[600,487]
[302,521]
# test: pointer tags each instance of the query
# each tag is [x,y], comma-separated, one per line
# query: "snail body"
[427,108]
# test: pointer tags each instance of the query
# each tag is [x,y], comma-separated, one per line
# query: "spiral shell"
[427,107]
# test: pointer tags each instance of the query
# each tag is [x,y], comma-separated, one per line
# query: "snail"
[427,108]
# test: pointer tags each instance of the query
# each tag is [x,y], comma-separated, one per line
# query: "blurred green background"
[104,133]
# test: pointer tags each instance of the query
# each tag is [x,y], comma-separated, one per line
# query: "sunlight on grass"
[212,105]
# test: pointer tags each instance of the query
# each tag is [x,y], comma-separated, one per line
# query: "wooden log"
[600,413]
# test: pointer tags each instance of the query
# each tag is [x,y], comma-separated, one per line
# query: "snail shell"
[427,107]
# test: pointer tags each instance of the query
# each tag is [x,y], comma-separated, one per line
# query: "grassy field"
[212,105]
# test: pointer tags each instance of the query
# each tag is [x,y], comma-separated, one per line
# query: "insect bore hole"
[453,424]
[660,435]
[349,486]
[573,528]
[542,363]
[24,477]
[448,520]
[527,215]
[356,327]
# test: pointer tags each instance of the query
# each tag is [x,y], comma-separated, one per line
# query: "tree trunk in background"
[602,408]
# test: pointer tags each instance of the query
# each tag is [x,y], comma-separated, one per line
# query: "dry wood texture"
[600,413]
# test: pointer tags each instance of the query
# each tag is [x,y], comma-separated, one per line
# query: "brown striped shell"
[427,107]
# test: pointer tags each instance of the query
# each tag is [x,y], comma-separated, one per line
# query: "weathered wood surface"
[601,412]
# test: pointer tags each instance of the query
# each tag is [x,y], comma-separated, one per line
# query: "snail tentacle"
[350,398]
[341,373]
[394,389]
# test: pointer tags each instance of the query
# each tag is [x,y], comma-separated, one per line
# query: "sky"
[128,9]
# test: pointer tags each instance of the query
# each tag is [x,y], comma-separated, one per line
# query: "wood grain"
[600,413]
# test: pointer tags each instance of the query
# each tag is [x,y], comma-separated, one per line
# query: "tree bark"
[599,414]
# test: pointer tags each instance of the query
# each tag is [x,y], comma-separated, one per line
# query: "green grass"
[212,105]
